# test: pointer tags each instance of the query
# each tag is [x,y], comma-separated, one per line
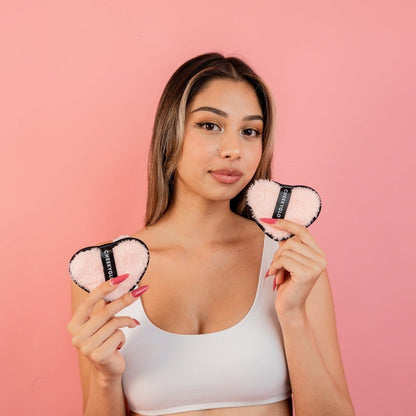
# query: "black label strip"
[109,265]
[282,201]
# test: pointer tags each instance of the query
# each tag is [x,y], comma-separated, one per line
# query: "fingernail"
[137,322]
[119,279]
[269,220]
[119,347]
[274,285]
[137,292]
[267,274]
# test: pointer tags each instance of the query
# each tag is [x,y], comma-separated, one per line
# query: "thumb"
[279,278]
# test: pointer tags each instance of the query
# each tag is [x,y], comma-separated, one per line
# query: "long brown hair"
[169,127]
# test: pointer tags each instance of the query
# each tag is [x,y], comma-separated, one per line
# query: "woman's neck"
[200,223]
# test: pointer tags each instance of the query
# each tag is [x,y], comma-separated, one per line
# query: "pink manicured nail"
[137,322]
[267,274]
[274,285]
[119,279]
[137,292]
[269,220]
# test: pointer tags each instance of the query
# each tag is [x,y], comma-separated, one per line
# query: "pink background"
[80,82]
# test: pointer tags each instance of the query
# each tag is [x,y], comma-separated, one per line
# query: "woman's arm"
[101,395]
[96,334]
[104,397]
[315,366]
[304,306]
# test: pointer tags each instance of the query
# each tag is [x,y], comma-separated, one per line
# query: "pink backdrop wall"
[80,81]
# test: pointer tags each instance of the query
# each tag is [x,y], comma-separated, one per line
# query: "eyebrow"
[224,114]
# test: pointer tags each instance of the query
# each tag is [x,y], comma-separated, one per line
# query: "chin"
[226,195]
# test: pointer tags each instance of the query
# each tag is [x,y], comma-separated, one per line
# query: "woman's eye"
[209,126]
[252,132]
[206,125]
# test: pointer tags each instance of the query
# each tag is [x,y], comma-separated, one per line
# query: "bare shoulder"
[143,233]
[150,235]
[249,229]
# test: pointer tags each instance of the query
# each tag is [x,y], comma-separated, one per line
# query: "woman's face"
[223,131]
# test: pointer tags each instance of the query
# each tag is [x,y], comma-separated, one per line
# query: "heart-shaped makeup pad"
[91,266]
[270,199]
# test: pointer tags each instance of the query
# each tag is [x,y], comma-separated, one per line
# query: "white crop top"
[243,365]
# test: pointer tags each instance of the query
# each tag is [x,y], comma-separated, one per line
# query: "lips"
[228,172]
[226,176]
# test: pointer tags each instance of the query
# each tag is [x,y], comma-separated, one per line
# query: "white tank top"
[242,365]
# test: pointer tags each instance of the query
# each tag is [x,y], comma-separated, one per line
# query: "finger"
[89,342]
[279,278]
[108,311]
[82,314]
[291,263]
[97,307]
[298,247]
[109,347]
[296,229]
[298,257]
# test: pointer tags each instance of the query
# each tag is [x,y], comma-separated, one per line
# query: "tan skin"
[205,260]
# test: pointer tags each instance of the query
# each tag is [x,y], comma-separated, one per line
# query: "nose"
[230,147]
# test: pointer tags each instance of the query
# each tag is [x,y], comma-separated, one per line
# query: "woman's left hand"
[297,263]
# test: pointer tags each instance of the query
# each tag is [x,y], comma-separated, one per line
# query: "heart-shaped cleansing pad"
[91,266]
[270,199]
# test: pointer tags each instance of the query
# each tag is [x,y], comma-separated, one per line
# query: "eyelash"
[207,122]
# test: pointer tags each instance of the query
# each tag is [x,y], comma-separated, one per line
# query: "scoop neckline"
[260,282]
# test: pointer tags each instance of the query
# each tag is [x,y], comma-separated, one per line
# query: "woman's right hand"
[95,330]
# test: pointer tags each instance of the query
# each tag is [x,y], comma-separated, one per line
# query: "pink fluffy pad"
[131,256]
[303,208]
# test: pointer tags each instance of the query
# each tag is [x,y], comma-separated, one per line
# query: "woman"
[206,333]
